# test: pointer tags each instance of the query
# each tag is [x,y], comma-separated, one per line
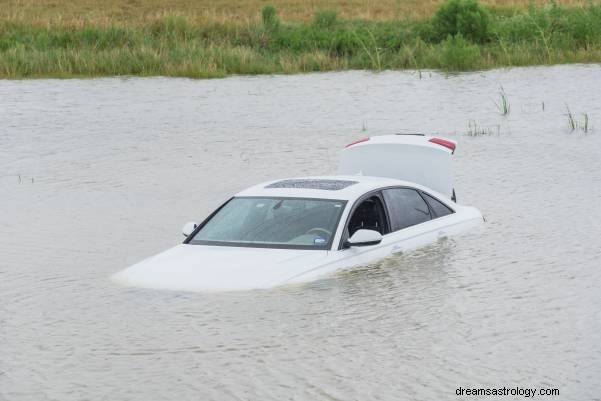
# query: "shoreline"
[175,46]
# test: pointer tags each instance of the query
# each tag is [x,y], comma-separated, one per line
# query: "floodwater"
[98,174]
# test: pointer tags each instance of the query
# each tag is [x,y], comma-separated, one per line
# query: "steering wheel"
[319,230]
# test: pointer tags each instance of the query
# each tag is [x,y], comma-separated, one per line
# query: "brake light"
[357,141]
[443,142]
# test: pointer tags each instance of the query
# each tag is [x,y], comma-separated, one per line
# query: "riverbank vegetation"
[456,35]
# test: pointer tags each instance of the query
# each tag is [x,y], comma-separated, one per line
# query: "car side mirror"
[364,238]
[189,228]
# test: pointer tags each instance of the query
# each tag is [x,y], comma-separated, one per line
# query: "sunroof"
[328,185]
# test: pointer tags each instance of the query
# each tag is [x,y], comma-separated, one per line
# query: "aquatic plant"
[577,124]
[503,104]
[474,129]
[573,124]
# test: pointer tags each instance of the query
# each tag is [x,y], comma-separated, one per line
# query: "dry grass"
[138,12]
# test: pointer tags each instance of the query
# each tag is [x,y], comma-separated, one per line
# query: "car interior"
[369,215]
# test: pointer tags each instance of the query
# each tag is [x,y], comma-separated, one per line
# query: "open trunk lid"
[421,159]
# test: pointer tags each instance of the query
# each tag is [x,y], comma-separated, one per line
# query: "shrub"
[269,16]
[584,25]
[458,54]
[324,18]
[465,17]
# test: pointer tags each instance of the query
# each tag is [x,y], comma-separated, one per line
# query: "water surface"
[98,174]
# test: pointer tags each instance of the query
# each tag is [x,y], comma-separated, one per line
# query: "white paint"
[405,157]
[189,227]
[363,237]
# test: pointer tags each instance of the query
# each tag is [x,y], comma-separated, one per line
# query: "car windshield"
[268,222]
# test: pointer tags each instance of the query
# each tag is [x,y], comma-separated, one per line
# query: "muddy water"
[98,174]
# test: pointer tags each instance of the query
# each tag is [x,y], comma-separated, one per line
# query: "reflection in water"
[98,174]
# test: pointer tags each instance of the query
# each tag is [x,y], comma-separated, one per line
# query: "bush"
[584,25]
[269,16]
[465,17]
[324,18]
[459,54]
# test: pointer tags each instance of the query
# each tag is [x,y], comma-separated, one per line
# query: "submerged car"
[394,193]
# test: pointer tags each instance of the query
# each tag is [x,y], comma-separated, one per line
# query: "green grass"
[175,46]
[503,105]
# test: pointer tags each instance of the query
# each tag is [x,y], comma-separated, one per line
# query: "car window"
[369,215]
[268,222]
[439,208]
[406,207]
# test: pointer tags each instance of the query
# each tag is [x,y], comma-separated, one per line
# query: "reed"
[503,104]
[574,123]
[474,129]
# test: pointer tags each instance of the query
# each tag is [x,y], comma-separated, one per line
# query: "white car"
[394,194]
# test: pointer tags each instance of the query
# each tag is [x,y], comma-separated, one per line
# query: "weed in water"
[576,124]
[585,125]
[503,104]
[473,129]
[572,123]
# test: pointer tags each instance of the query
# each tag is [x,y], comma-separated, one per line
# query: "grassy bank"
[459,35]
[140,12]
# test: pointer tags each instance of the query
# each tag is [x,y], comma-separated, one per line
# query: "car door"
[408,224]
[416,218]
[369,212]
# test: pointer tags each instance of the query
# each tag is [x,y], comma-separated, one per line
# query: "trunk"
[420,159]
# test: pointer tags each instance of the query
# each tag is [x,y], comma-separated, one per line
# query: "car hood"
[218,268]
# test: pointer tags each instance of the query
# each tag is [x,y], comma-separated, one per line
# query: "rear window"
[406,207]
[439,208]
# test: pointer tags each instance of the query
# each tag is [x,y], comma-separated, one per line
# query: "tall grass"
[574,123]
[175,45]
[503,105]
[474,130]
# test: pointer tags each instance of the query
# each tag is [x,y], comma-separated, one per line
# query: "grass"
[574,123]
[142,12]
[201,39]
[503,104]
[474,129]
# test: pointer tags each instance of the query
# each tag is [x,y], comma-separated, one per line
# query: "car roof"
[340,187]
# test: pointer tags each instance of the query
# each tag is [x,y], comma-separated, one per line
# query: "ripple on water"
[118,165]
